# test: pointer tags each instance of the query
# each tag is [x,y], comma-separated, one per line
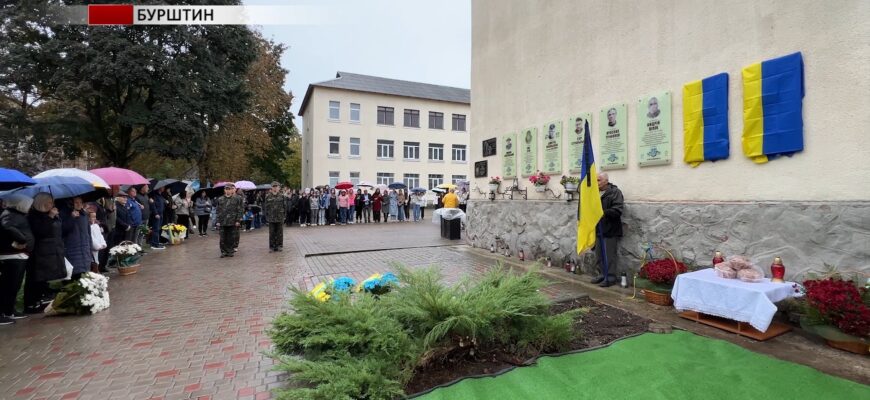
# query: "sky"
[416,40]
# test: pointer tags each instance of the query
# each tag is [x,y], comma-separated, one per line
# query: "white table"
[704,292]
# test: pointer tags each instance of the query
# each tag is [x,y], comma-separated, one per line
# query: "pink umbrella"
[245,185]
[119,176]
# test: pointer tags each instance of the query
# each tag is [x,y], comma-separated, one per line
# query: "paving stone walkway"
[192,325]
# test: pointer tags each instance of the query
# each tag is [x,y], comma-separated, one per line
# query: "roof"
[395,87]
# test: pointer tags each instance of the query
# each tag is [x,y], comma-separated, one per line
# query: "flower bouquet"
[494,182]
[174,233]
[570,182]
[656,277]
[87,295]
[378,284]
[332,289]
[126,255]
[540,181]
[838,311]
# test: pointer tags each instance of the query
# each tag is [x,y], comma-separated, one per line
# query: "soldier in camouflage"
[229,218]
[275,211]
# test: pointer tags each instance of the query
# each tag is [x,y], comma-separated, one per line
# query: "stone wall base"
[807,235]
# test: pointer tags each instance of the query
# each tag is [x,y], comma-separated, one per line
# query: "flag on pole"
[589,207]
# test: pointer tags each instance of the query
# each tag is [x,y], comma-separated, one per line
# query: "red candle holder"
[718,257]
[777,269]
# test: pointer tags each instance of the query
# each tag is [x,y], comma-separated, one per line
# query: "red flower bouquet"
[662,272]
[539,179]
[839,303]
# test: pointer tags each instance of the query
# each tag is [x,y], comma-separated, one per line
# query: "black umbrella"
[397,185]
[163,183]
[211,192]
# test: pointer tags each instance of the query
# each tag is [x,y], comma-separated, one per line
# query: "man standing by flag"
[609,231]
[599,213]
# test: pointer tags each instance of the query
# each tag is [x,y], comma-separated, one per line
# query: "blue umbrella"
[60,187]
[12,179]
[397,185]
[418,190]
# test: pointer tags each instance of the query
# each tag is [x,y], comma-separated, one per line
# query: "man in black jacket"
[609,230]
[16,244]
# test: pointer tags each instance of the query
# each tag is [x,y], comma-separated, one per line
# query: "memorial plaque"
[489,147]
[480,169]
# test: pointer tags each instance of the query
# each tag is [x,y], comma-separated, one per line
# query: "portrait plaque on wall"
[552,143]
[528,142]
[489,148]
[574,137]
[613,125]
[509,156]
[654,129]
[480,169]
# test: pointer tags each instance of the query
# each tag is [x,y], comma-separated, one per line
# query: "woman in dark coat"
[77,238]
[46,262]
[376,205]
[16,244]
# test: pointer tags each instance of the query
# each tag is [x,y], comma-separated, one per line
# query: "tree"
[125,89]
[253,143]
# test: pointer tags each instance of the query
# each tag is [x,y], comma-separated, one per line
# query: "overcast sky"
[424,41]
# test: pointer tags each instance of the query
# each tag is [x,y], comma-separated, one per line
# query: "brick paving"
[192,325]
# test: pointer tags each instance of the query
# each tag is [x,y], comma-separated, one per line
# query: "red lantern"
[777,269]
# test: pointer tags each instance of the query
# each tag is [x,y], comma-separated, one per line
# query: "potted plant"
[127,255]
[656,278]
[540,181]
[570,183]
[494,182]
[838,310]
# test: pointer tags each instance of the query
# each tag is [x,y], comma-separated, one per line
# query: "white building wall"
[319,127]
[534,61]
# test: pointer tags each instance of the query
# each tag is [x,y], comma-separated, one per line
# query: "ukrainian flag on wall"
[773,93]
[705,120]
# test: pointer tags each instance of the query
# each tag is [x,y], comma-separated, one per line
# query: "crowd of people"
[41,237]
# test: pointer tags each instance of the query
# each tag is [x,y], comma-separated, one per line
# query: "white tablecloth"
[704,292]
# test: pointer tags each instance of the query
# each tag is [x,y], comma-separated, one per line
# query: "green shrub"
[351,349]
[362,347]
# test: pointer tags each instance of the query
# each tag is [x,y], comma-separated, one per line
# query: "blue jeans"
[416,212]
[401,213]
[351,213]
[342,215]
[155,232]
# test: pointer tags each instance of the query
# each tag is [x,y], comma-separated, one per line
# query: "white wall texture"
[534,61]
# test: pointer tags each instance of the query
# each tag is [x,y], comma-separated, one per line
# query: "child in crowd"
[247,218]
[98,242]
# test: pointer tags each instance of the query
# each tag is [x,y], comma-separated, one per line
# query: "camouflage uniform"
[229,212]
[275,211]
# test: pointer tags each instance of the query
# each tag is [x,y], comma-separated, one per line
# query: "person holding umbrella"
[275,210]
[46,261]
[394,205]
[229,219]
[16,244]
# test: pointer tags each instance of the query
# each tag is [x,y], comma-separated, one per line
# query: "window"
[436,120]
[333,178]
[333,145]
[385,178]
[456,178]
[354,178]
[385,115]
[412,180]
[412,151]
[334,108]
[459,152]
[436,152]
[354,112]
[354,146]
[412,118]
[459,122]
[385,149]
[435,180]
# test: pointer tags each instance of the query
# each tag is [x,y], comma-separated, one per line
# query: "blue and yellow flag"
[773,93]
[589,207]
[705,120]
